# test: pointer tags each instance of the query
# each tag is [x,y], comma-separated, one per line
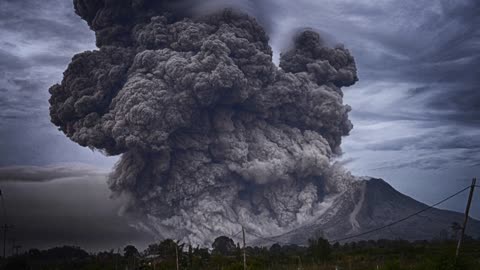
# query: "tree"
[34,252]
[165,249]
[224,246]
[319,249]
[275,248]
[130,251]
[66,253]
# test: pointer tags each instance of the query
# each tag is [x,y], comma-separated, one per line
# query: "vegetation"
[226,255]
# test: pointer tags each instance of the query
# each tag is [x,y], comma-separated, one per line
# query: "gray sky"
[415,109]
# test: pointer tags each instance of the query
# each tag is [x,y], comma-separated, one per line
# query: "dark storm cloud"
[38,40]
[434,50]
[435,162]
[50,22]
[462,101]
[431,45]
[21,100]
[436,140]
[42,28]
[10,62]
[444,62]
[42,174]
[438,145]
[35,36]
[417,102]
[25,85]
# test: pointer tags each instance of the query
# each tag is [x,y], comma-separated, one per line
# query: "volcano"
[369,204]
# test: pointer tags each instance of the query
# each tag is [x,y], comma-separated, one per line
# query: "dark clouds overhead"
[38,41]
[441,59]
[417,59]
[419,76]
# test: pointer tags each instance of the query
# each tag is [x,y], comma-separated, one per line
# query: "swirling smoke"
[212,134]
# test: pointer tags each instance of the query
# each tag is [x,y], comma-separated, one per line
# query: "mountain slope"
[372,203]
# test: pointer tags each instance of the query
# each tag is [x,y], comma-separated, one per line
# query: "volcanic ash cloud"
[212,135]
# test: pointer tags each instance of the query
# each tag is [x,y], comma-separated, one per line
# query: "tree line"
[225,254]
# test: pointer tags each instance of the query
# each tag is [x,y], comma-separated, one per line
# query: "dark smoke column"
[212,134]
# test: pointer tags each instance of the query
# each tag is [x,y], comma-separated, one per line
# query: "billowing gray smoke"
[212,134]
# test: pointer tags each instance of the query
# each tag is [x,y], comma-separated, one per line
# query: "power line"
[370,231]
[268,239]
[235,235]
[402,219]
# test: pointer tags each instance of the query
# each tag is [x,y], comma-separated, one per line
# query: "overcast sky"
[415,109]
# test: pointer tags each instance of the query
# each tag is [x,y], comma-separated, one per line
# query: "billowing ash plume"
[212,134]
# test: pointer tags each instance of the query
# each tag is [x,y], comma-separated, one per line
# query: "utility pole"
[467,210]
[244,250]
[13,241]
[5,228]
[176,254]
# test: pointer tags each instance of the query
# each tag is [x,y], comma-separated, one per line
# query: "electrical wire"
[373,230]
[268,239]
[235,235]
[402,219]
